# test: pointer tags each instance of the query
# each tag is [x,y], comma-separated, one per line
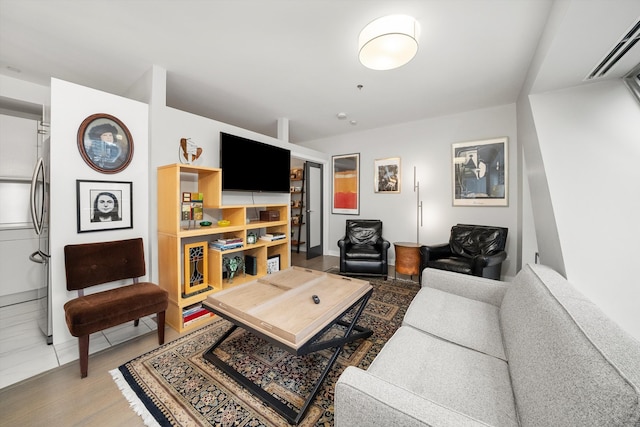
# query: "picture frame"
[273,264]
[387,175]
[105,143]
[104,205]
[196,268]
[480,172]
[346,184]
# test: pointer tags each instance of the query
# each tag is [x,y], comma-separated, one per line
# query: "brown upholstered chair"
[93,264]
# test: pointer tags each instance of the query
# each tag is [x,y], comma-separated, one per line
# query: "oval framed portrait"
[105,143]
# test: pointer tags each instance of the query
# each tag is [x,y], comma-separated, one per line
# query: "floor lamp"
[416,189]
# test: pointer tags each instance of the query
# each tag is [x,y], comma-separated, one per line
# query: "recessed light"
[341,116]
[353,122]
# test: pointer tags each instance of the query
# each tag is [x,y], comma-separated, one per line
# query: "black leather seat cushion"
[456,264]
[368,252]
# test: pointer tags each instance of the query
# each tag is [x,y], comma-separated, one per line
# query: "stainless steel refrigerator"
[40,216]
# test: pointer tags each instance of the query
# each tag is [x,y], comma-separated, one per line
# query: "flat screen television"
[249,165]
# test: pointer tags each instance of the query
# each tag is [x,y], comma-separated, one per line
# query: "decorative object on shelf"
[224,223]
[205,223]
[346,184]
[105,143]
[270,215]
[388,42]
[273,264]
[196,269]
[252,238]
[190,151]
[387,175]
[480,173]
[296,174]
[104,205]
[192,208]
[232,265]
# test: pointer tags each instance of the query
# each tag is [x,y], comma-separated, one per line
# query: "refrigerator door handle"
[37,219]
[37,257]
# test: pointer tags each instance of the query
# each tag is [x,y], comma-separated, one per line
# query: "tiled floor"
[24,351]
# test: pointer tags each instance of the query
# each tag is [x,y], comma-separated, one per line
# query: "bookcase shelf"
[174,234]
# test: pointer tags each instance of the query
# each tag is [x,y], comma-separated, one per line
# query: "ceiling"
[250,62]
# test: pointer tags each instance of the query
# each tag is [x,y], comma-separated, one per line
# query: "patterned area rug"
[175,386]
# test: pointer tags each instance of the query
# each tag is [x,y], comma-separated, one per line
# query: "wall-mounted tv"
[249,165]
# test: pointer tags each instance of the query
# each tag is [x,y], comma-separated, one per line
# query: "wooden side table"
[407,258]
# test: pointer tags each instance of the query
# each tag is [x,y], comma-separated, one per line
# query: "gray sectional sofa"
[477,352]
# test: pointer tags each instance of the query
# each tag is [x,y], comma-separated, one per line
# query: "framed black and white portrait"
[104,205]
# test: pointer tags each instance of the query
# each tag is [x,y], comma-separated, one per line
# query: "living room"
[557,139]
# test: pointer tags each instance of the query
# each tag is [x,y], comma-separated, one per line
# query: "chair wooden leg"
[161,327]
[83,347]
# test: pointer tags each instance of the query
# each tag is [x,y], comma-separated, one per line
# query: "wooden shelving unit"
[173,234]
[297,207]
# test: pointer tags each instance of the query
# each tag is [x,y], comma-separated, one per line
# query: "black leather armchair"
[363,250]
[477,250]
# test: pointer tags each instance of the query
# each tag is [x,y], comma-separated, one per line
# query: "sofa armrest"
[478,288]
[362,399]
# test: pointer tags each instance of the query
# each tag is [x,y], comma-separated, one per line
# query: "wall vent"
[619,50]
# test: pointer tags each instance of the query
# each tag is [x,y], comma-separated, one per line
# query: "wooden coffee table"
[280,309]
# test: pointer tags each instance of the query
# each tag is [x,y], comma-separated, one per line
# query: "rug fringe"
[134,402]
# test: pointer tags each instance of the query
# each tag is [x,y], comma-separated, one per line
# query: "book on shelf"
[206,314]
[272,237]
[225,246]
[190,309]
[230,240]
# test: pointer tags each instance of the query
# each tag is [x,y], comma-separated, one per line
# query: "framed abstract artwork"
[480,172]
[387,175]
[346,184]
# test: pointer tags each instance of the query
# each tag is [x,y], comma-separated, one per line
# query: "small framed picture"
[387,175]
[104,205]
[105,143]
[273,264]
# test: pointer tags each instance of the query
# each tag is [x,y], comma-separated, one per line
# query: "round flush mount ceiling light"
[389,42]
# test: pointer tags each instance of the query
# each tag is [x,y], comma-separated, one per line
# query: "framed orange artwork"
[346,184]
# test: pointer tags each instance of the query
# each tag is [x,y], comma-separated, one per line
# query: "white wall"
[426,145]
[589,142]
[168,125]
[70,105]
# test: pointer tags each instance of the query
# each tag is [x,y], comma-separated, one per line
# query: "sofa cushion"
[569,364]
[463,321]
[455,377]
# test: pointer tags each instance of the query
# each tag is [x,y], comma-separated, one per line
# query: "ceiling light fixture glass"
[389,42]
